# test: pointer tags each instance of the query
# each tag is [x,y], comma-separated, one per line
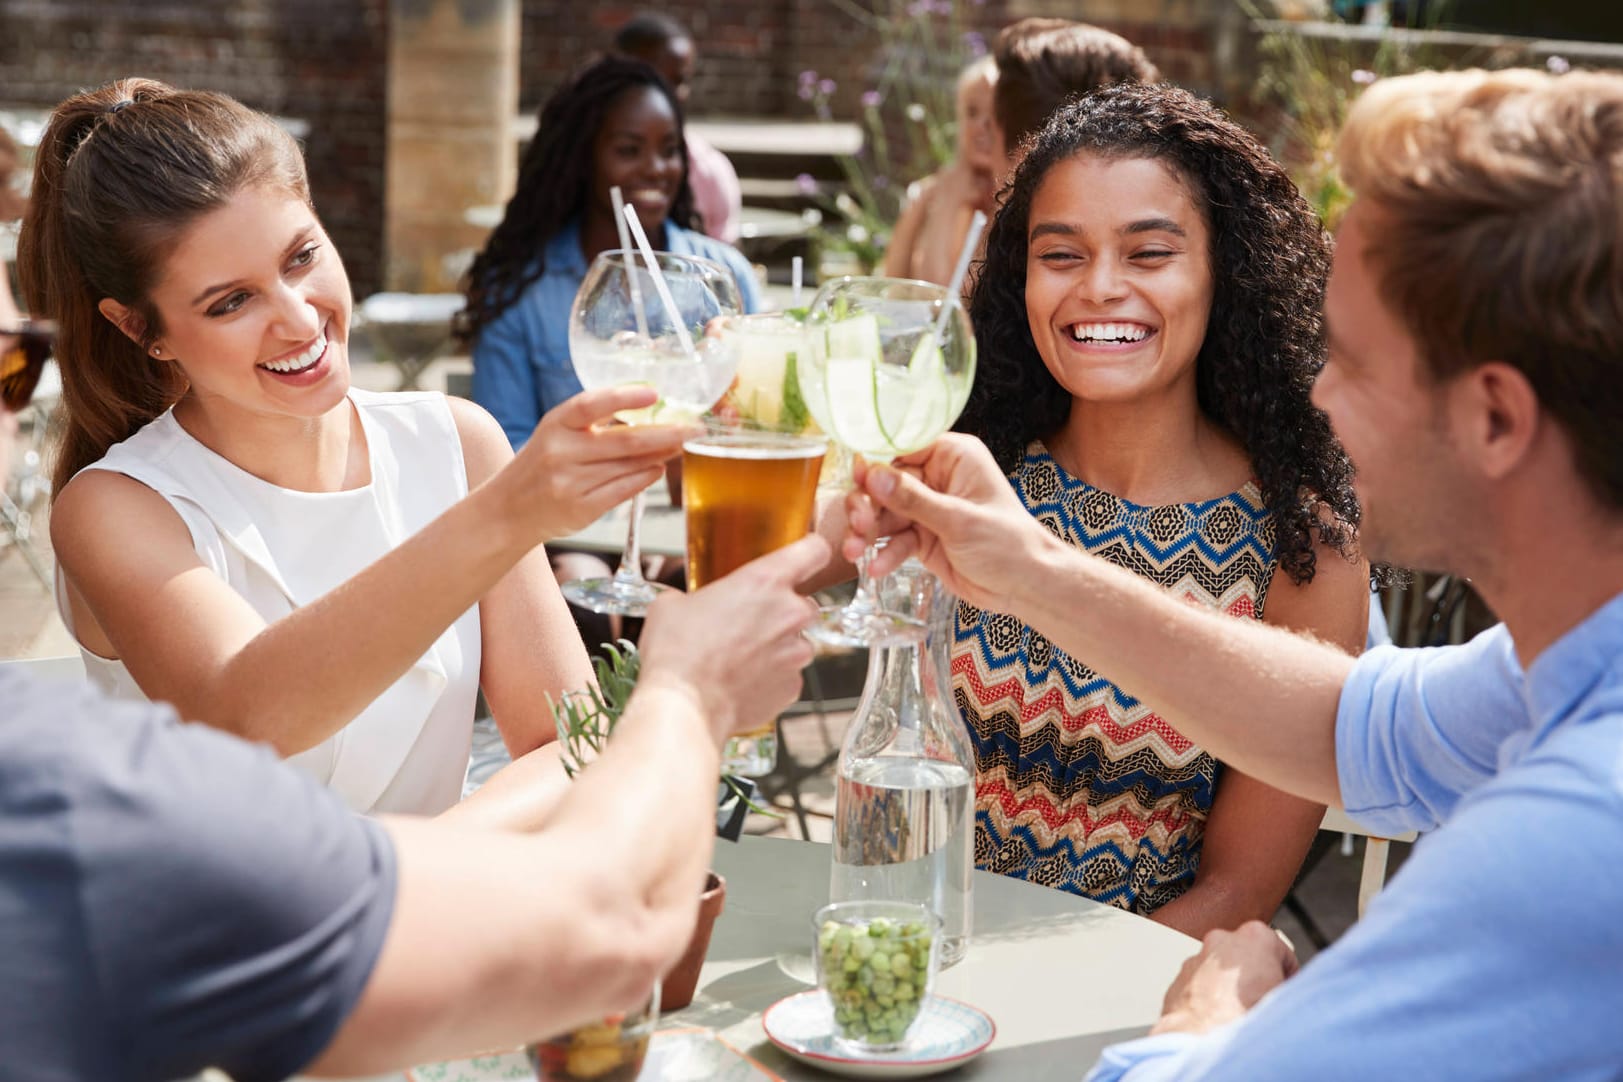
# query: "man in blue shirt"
[1475,376]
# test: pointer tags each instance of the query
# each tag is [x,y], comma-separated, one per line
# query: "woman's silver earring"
[157,351]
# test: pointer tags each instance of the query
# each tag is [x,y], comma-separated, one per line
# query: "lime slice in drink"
[661,412]
[760,378]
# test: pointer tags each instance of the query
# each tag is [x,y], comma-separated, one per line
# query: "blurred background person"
[615,122]
[1042,63]
[931,230]
[665,45]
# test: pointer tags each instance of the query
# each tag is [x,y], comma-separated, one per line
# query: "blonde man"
[1475,317]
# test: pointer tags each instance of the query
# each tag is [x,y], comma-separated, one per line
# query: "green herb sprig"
[586,719]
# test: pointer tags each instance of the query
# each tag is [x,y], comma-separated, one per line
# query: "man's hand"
[950,505]
[578,465]
[1232,971]
[735,647]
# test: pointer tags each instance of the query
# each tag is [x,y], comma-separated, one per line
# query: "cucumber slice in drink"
[856,336]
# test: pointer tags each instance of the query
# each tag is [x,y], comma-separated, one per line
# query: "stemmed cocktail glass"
[890,368]
[627,328]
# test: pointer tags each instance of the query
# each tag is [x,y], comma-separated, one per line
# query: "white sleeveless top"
[408,751]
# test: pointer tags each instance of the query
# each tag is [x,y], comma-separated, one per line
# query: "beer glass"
[749,484]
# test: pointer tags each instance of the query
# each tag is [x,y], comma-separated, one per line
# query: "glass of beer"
[749,484]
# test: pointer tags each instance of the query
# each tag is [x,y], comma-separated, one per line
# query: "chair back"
[1376,851]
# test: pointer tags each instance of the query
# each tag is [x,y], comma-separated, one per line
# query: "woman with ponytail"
[241,532]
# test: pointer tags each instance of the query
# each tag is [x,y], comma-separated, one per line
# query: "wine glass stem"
[630,570]
[865,601]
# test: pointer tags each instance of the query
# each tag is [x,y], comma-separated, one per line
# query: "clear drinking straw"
[631,262]
[664,291]
[796,278]
[956,283]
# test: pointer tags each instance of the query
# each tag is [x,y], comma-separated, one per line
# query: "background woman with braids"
[242,533]
[615,122]
[1148,326]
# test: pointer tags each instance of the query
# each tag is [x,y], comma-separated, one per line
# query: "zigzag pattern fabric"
[1079,786]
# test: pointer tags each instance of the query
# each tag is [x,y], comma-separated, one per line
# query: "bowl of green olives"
[876,961]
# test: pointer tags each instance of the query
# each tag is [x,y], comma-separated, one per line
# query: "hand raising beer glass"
[749,484]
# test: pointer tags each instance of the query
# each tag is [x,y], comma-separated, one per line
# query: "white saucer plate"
[947,1034]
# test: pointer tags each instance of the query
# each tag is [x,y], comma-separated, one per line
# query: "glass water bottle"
[903,805]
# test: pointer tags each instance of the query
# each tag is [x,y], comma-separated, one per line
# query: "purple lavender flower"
[826,86]
[975,42]
[806,183]
[808,77]
[870,99]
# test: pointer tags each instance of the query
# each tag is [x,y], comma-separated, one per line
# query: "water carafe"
[903,804]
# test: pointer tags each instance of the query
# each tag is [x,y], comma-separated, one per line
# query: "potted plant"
[585,720]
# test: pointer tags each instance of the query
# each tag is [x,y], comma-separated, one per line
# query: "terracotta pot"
[682,981]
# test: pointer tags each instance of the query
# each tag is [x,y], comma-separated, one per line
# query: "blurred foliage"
[909,126]
[1312,80]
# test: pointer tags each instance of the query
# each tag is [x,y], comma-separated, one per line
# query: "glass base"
[613,597]
[751,755]
[849,626]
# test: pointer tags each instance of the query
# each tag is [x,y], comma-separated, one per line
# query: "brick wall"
[316,60]
[744,47]
[751,51]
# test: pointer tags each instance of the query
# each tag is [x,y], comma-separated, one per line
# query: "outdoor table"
[409,330]
[1061,976]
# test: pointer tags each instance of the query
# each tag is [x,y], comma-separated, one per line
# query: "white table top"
[1061,976]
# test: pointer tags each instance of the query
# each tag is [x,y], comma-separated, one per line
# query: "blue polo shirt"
[1496,952]
[521,363]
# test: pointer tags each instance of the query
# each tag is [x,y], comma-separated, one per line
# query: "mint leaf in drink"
[794,416]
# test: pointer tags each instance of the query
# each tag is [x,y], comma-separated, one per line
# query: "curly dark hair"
[554,180]
[1264,339]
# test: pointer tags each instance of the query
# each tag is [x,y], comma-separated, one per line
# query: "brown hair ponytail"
[119,174]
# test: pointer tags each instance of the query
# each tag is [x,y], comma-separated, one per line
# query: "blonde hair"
[984,67]
[1497,234]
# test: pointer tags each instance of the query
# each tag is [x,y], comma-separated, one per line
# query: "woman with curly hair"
[615,122]
[1148,320]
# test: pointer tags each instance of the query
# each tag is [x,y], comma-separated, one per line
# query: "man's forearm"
[1259,698]
[499,938]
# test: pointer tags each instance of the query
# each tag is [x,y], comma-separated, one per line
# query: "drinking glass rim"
[835,911]
[617,256]
[769,439]
[884,279]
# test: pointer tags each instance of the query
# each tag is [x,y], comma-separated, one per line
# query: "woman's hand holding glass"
[631,328]
[581,463]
